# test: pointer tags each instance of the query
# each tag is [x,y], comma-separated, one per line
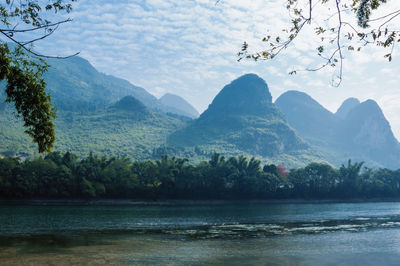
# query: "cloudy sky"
[189,47]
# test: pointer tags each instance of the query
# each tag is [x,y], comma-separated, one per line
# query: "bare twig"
[36,28]
[338,42]
[35,53]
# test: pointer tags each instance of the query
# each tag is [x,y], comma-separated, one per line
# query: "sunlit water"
[231,234]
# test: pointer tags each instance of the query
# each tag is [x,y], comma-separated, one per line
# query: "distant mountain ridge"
[357,130]
[75,84]
[178,105]
[243,118]
[105,114]
[310,119]
[366,127]
[75,81]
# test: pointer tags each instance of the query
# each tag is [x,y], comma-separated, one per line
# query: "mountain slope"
[126,128]
[366,130]
[242,118]
[358,131]
[177,105]
[310,119]
[75,83]
[346,107]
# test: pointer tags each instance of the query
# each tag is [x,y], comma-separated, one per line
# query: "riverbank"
[133,202]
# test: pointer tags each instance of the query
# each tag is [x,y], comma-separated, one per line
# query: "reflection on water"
[376,247]
[259,234]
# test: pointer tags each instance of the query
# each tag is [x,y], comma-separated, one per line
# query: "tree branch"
[37,28]
[338,41]
[35,53]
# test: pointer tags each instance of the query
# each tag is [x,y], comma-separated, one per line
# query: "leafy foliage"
[26,89]
[112,131]
[64,176]
[22,68]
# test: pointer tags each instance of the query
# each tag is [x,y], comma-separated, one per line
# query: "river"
[202,234]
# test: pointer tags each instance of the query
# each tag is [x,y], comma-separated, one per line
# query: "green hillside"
[110,116]
[243,120]
[75,84]
[119,130]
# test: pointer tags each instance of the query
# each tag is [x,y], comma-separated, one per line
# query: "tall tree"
[21,67]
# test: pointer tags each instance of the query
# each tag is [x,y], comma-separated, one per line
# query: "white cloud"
[189,48]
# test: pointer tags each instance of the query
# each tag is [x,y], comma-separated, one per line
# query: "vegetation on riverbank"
[65,176]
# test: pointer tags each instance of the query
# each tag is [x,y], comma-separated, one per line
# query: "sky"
[189,48]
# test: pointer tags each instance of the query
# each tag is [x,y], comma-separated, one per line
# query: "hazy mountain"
[241,118]
[95,112]
[366,129]
[75,84]
[177,105]
[346,107]
[117,118]
[310,119]
[358,131]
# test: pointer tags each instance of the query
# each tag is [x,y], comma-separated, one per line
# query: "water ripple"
[249,230]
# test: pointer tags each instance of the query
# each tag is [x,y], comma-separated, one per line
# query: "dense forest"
[65,176]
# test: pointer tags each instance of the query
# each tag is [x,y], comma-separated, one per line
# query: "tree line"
[65,176]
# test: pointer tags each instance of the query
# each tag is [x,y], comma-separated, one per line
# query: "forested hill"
[75,85]
[357,130]
[124,128]
[110,116]
[243,119]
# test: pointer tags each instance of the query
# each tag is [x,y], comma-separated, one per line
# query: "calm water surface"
[231,234]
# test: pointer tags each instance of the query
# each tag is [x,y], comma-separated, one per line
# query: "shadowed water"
[269,234]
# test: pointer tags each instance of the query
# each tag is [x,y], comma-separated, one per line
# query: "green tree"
[168,171]
[321,179]
[119,179]
[349,178]
[22,68]
[8,167]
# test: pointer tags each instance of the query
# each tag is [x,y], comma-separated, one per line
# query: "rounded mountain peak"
[367,108]
[347,106]
[131,104]
[293,96]
[249,94]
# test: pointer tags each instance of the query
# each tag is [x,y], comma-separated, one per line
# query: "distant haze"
[189,48]
[102,113]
